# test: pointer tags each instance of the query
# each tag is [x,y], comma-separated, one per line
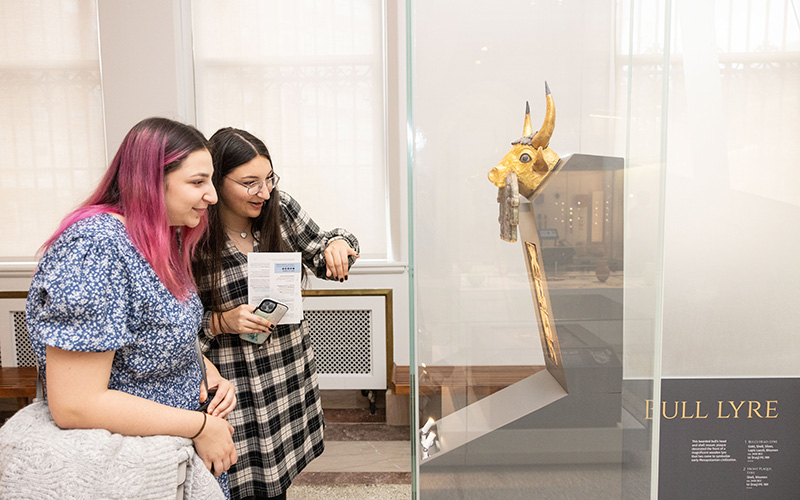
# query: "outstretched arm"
[325,253]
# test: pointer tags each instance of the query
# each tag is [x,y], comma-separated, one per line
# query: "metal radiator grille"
[24,351]
[342,341]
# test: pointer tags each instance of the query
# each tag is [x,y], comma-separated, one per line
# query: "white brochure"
[276,275]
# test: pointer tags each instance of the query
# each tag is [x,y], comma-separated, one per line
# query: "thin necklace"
[242,233]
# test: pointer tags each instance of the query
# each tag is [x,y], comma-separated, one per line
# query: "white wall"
[146,61]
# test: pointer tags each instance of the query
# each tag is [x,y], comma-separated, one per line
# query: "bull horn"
[542,137]
[527,129]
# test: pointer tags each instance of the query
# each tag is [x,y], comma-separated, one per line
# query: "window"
[308,79]
[51,122]
[757,47]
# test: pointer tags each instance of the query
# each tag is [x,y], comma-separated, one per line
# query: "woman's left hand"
[224,401]
[336,259]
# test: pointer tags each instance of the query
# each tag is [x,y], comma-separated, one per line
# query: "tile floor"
[364,459]
[357,470]
[350,492]
[363,456]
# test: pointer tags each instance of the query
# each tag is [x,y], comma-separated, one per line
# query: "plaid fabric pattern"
[278,418]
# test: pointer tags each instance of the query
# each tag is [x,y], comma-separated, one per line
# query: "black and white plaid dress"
[278,416]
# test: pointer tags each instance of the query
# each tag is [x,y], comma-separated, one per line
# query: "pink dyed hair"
[133,187]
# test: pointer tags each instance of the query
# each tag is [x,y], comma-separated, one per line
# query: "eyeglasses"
[254,187]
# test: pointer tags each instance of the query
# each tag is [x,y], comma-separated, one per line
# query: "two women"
[112,309]
[113,314]
[278,420]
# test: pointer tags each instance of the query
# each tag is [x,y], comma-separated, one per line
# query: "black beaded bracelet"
[205,419]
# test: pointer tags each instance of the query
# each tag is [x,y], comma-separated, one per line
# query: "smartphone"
[273,311]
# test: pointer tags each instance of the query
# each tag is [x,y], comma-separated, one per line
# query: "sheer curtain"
[732,111]
[306,77]
[52,148]
[732,201]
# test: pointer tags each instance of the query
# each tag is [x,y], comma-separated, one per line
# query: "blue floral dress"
[94,292]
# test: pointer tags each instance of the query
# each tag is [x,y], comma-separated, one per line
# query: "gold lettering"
[771,409]
[697,411]
[664,410]
[754,410]
[736,408]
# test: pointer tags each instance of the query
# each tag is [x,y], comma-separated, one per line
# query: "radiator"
[348,333]
[349,337]
[15,348]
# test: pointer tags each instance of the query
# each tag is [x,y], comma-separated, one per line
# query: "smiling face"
[237,206]
[188,190]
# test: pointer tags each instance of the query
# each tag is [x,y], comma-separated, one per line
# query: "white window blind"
[52,149]
[307,77]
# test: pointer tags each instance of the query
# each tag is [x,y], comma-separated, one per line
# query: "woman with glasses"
[278,420]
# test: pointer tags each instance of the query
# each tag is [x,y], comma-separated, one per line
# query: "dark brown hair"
[231,148]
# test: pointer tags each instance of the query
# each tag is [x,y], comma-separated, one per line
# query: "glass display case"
[519,345]
[536,362]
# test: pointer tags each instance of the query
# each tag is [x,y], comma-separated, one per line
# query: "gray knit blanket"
[40,461]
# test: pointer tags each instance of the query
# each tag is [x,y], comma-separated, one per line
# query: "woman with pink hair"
[112,310]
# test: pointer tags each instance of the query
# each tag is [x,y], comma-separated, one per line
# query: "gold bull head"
[530,156]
